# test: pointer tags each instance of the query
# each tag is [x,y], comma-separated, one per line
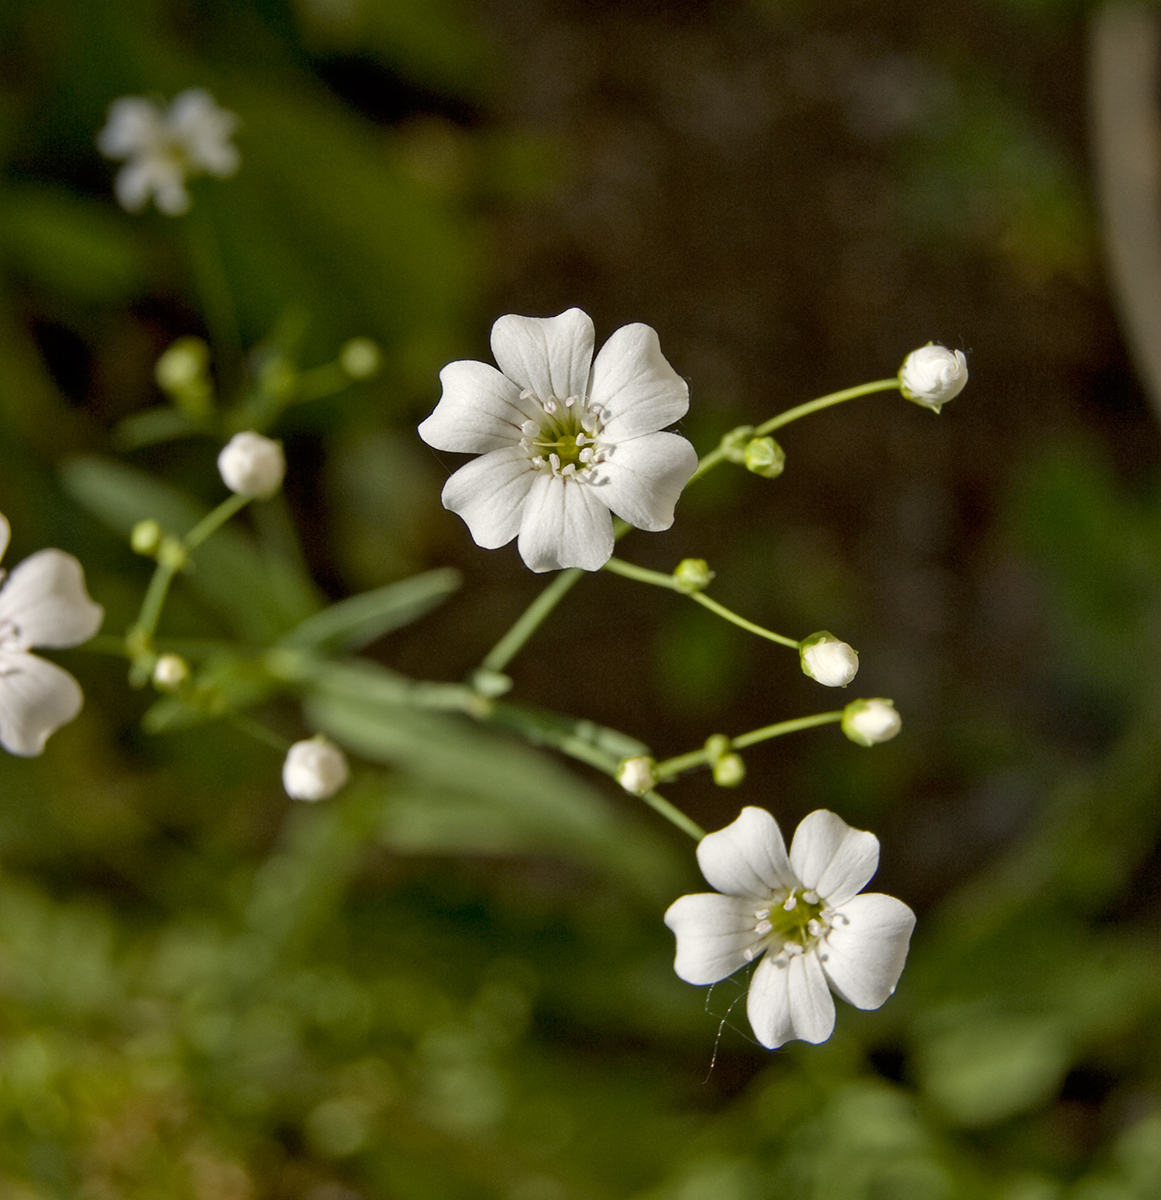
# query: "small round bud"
[692,575]
[360,358]
[734,443]
[172,552]
[869,722]
[183,365]
[170,673]
[729,770]
[827,660]
[490,683]
[146,537]
[765,457]
[636,775]
[252,465]
[933,375]
[717,745]
[314,769]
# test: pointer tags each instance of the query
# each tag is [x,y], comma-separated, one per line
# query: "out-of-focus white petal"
[747,858]
[550,356]
[5,534]
[134,125]
[831,858]
[204,129]
[636,388]
[564,525]
[169,193]
[134,185]
[713,933]
[44,603]
[480,410]
[489,493]
[642,478]
[864,953]
[36,699]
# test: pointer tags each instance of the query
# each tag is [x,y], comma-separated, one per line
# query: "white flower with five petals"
[163,147]
[43,604]
[565,440]
[803,913]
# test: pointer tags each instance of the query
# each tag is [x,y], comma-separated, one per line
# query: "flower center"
[564,438]
[792,923]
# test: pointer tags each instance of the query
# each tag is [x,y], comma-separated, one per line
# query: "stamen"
[762,913]
[791,903]
[554,460]
[530,429]
[810,897]
[570,401]
[763,927]
[589,422]
[813,928]
[792,949]
[748,953]
[527,394]
[549,407]
[570,469]
[586,455]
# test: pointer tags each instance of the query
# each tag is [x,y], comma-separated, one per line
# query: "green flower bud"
[765,457]
[146,537]
[692,575]
[490,683]
[170,673]
[183,365]
[729,770]
[717,745]
[360,358]
[172,553]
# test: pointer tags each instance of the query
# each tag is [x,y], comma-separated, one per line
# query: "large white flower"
[802,911]
[565,440]
[163,147]
[43,603]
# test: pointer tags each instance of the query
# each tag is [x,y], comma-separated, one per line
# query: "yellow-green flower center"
[563,438]
[793,922]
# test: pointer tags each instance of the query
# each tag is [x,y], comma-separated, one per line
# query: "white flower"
[164,147]
[252,465]
[42,604]
[869,722]
[314,769]
[565,440]
[933,375]
[170,673]
[802,911]
[827,660]
[636,775]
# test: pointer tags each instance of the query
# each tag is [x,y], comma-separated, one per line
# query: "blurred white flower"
[636,775]
[565,440]
[252,465]
[163,147]
[802,911]
[933,375]
[43,604]
[869,722]
[314,769]
[827,660]
[170,673]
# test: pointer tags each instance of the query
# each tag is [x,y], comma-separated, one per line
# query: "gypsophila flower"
[869,722]
[933,375]
[827,660]
[252,465]
[802,913]
[43,604]
[637,775]
[565,440]
[164,147]
[314,769]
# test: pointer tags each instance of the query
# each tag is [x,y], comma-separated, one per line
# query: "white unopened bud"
[869,722]
[170,673]
[636,775]
[314,769]
[827,660]
[933,375]
[252,465]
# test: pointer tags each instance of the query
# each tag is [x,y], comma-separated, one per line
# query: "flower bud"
[827,660]
[183,365]
[314,769]
[360,358]
[170,673]
[765,457]
[491,683]
[869,722]
[172,552]
[636,775]
[692,575]
[146,537]
[729,770]
[932,375]
[252,465]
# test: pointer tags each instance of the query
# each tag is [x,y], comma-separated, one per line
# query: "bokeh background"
[456,984]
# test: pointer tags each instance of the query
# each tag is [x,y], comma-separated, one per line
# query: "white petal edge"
[564,525]
[642,478]
[833,859]
[866,949]
[36,698]
[489,493]
[789,999]
[713,932]
[480,410]
[5,534]
[636,388]
[45,599]
[550,356]
[747,858]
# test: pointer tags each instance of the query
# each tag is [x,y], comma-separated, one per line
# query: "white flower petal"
[636,388]
[642,478]
[789,999]
[169,193]
[550,356]
[36,699]
[831,858]
[713,933]
[564,525]
[5,534]
[865,951]
[134,184]
[747,858]
[45,602]
[134,126]
[480,410]
[204,129]
[489,493]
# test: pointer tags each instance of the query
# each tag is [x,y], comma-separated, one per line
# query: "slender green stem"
[672,767]
[259,732]
[213,521]
[675,815]
[214,291]
[146,623]
[718,454]
[317,382]
[513,641]
[618,566]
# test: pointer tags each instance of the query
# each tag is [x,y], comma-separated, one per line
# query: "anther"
[549,407]
[763,927]
[810,897]
[791,903]
[529,429]
[527,394]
